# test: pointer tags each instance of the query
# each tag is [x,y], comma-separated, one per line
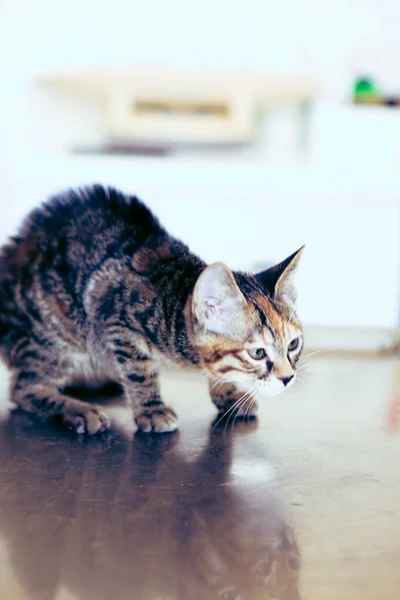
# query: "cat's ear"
[279,280]
[218,303]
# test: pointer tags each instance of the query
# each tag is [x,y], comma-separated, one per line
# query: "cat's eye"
[294,344]
[257,353]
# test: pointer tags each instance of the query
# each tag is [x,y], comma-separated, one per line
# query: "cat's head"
[245,327]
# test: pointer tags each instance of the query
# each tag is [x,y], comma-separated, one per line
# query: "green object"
[366,90]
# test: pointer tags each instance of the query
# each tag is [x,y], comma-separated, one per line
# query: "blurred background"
[251,128]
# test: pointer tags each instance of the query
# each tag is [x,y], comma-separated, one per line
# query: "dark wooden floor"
[303,504]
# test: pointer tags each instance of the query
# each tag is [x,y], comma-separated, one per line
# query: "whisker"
[222,381]
[305,359]
[253,401]
[224,415]
[313,375]
[235,413]
[305,369]
[247,399]
[218,382]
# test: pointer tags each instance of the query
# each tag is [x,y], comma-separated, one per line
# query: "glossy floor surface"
[303,504]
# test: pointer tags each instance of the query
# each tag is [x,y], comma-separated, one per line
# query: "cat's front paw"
[90,421]
[158,418]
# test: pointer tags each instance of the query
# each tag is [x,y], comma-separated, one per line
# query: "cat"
[93,288]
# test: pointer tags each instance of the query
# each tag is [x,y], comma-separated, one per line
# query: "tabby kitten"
[94,288]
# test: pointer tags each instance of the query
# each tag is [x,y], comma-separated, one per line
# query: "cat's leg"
[40,395]
[139,376]
[230,398]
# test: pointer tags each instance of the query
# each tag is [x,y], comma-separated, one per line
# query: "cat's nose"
[286,380]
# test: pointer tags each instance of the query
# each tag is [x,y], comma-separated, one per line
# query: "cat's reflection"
[119,520]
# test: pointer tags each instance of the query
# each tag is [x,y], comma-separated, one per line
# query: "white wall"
[333,41]
[247,215]
[307,36]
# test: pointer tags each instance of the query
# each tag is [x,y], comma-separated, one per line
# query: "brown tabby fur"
[93,288]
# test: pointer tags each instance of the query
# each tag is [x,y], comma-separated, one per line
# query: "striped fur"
[93,288]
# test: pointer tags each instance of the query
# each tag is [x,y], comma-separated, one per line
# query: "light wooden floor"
[304,504]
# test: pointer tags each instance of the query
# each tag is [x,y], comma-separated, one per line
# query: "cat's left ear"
[218,303]
[279,280]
